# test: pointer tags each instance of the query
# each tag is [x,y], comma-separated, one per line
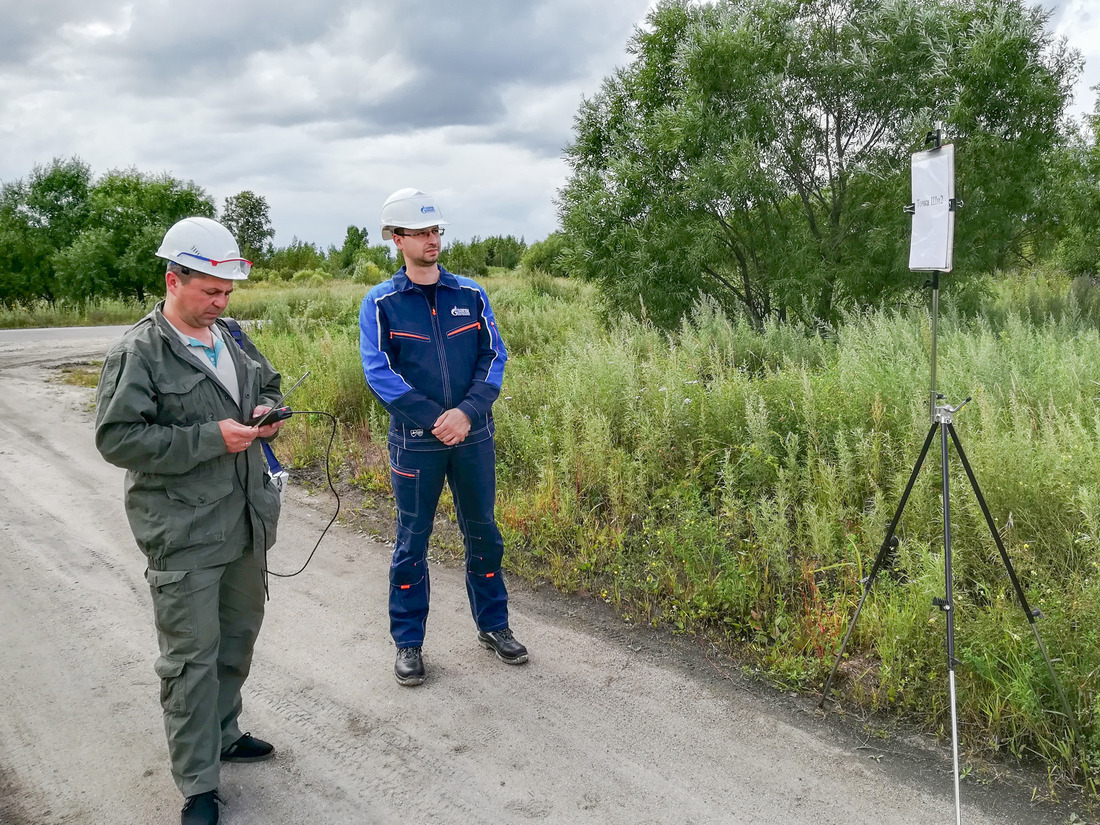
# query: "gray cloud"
[325,108]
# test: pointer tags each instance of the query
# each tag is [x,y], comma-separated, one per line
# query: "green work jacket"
[157,414]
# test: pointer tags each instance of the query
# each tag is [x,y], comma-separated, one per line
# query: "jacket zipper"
[439,349]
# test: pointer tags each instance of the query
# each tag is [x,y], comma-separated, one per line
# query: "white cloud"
[1079,22]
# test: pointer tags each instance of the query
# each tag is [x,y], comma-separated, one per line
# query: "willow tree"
[758,150]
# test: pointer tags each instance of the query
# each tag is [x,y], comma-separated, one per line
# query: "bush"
[547,255]
[311,277]
[465,259]
[368,272]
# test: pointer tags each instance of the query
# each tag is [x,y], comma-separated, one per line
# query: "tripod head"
[934,137]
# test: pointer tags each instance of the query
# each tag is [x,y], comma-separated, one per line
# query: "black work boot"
[409,667]
[201,809]
[248,749]
[505,644]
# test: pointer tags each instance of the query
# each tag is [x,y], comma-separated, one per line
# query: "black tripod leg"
[1031,614]
[880,560]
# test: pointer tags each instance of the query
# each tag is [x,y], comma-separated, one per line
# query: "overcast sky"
[326,107]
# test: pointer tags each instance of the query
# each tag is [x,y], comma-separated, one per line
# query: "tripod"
[943,421]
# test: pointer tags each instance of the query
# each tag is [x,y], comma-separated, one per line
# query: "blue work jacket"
[420,362]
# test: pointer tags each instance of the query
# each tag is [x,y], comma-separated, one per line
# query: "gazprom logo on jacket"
[424,210]
[460,311]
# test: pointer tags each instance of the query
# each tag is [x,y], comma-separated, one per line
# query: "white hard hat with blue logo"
[409,209]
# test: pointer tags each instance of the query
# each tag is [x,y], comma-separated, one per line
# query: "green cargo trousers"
[207,623]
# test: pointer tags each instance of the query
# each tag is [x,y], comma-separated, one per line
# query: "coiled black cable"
[331,486]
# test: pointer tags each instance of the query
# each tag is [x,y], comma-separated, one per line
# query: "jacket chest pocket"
[408,335]
[181,399]
[464,329]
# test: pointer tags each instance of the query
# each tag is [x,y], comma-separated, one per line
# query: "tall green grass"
[64,314]
[739,483]
[259,300]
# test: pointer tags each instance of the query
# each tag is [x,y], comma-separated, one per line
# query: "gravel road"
[607,723]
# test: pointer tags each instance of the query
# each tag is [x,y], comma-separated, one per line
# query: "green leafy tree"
[475,258]
[464,258]
[86,268]
[246,215]
[381,255]
[37,217]
[128,214]
[503,251]
[283,262]
[758,150]
[548,255]
[342,260]
[1078,199]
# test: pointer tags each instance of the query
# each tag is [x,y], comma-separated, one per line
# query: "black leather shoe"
[505,644]
[409,667]
[201,809]
[248,749]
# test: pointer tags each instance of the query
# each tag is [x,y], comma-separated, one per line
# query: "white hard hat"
[204,246]
[409,209]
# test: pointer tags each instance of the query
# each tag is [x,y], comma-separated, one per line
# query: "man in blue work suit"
[432,355]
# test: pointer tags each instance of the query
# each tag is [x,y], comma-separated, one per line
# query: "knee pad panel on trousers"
[408,575]
[484,548]
[409,590]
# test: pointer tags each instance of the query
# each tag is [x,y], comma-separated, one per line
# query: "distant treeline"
[68,236]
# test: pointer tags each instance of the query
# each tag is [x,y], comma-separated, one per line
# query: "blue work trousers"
[417,477]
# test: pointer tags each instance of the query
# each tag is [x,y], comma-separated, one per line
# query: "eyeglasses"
[420,234]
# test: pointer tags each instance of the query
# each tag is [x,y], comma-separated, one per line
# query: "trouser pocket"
[173,694]
[406,489]
[171,594]
[173,616]
[409,594]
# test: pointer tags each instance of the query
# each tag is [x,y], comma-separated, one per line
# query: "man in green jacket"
[173,397]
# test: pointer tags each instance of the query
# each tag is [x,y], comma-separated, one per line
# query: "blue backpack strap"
[235,330]
[238,336]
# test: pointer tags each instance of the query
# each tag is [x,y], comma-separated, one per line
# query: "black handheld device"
[278,411]
[273,415]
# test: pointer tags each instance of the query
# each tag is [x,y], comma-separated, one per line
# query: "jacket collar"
[172,336]
[401,282]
